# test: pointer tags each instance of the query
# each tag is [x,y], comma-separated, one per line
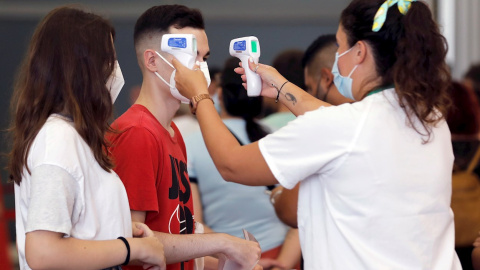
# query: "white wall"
[460,20]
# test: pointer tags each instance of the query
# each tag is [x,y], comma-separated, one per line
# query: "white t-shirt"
[68,191]
[372,196]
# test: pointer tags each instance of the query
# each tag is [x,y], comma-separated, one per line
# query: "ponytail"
[410,52]
[420,73]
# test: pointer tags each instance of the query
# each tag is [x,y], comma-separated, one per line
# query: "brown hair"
[409,52]
[68,62]
[464,116]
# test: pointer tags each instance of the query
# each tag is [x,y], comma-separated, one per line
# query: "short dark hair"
[317,46]
[289,64]
[160,18]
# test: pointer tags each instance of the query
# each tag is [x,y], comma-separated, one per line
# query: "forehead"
[200,35]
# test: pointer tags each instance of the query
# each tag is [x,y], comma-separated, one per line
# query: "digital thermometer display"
[240,45]
[254,46]
[177,42]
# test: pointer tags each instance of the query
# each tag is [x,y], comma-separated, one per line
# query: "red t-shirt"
[153,168]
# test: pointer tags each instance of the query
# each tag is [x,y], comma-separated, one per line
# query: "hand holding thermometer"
[244,48]
[184,48]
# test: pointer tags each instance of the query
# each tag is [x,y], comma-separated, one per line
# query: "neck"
[158,100]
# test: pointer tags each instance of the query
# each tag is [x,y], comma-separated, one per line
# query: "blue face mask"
[343,84]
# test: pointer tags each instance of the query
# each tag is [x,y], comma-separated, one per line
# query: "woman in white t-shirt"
[67,198]
[376,174]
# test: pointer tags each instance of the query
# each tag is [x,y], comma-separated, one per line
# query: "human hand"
[141,230]
[149,252]
[268,74]
[244,253]
[477,241]
[189,82]
[268,263]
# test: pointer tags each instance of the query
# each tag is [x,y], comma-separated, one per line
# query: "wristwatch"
[194,101]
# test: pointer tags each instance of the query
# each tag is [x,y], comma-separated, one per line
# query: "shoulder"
[58,143]
[137,124]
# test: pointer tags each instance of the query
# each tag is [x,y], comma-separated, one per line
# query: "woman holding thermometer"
[375,174]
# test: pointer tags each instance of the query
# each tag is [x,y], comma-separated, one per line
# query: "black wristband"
[127,260]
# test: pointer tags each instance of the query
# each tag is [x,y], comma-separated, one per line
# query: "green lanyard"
[380,89]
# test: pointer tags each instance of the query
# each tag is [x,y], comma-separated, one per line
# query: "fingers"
[146,232]
[252,65]
[177,64]
[136,230]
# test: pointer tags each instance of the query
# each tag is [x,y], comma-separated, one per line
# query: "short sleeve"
[136,156]
[313,143]
[53,196]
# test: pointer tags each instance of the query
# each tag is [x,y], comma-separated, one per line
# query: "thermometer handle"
[254,82]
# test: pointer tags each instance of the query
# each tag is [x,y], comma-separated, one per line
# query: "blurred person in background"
[471,79]
[464,122]
[289,64]
[317,65]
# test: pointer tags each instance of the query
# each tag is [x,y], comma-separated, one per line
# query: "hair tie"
[381,15]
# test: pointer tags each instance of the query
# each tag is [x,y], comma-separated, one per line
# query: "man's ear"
[149,60]
[326,80]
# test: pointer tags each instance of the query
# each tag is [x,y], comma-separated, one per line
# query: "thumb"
[137,231]
[252,65]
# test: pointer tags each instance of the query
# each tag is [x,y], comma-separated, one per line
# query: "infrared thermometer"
[184,48]
[244,48]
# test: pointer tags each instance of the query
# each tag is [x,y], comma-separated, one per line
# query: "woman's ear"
[361,52]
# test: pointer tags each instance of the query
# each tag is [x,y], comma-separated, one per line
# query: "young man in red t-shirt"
[149,151]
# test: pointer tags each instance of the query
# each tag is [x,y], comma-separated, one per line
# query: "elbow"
[226,173]
[35,260]
[36,255]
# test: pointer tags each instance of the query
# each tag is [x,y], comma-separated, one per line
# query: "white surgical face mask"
[206,72]
[343,84]
[115,82]
[173,89]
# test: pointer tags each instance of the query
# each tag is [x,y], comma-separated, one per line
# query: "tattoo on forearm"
[291,98]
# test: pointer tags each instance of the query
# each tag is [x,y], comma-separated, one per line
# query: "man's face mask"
[115,82]
[173,90]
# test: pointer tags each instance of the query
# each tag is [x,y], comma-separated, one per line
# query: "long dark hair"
[409,52]
[237,103]
[68,62]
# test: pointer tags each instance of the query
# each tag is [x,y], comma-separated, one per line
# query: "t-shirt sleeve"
[191,148]
[136,156]
[311,144]
[53,195]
